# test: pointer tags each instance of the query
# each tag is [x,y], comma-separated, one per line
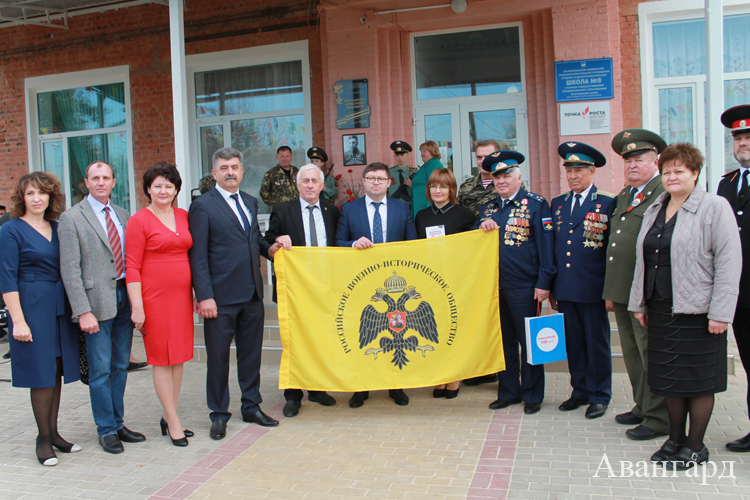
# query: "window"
[77,118]
[674,69]
[254,100]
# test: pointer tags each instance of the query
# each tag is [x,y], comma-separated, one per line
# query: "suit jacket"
[741,208]
[225,263]
[581,245]
[286,218]
[354,223]
[87,264]
[622,238]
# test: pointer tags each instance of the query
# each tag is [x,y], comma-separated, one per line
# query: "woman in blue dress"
[43,339]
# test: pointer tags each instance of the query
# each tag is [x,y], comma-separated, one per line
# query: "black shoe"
[165,429]
[484,379]
[128,436]
[531,408]
[291,408]
[438,393]
[322,398]
[499,404]
[136,366]
[687,459]
[218,429]
[667,450]
[176,442]
[6,355]
[260,418]
[628,418]
[399,397]
[741,445]
[572,404]
[643,433]
[358,399]
[48,461]
[451,394]
[595,410]
[111,444]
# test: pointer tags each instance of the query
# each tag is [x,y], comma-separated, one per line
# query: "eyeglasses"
[435,186]
[377,180]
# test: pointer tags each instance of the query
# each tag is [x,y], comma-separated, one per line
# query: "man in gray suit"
[92,264]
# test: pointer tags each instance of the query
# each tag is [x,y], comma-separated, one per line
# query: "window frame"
[89,78]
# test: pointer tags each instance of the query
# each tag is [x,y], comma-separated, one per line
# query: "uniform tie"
[633,191]
[114,242]
[245,222]
[313,229]
[505,203]
[377,224]
[576,206]
[743,185]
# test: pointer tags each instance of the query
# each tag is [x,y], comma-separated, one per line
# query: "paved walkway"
[451,449]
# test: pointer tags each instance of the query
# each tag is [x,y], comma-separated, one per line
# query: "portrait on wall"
[354,149]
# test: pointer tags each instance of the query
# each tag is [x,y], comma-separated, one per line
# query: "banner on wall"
[397,315]
[583,118]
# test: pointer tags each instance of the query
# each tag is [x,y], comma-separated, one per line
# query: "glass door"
[441,125]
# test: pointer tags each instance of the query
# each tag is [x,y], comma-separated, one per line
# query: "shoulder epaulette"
[534,196]
[730,173]
[605,193]
[562,194]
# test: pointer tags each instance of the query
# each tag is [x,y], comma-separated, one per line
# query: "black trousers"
[243,323]
[741,327]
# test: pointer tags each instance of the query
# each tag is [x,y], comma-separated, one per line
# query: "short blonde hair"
[432,148]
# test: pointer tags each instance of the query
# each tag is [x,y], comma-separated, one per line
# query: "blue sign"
[352,104]
[584,80]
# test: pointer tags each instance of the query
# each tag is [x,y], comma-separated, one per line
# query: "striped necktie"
[114,242]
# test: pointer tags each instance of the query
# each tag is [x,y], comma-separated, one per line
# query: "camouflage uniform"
[473,195]
[277,186]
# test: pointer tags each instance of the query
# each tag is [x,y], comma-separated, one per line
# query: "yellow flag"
[398,315]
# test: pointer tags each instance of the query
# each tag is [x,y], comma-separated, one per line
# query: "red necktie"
[114,242]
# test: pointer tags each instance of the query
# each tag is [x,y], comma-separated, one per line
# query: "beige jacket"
[706,257]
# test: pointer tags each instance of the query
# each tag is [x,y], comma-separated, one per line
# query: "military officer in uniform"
[400,188]
[639,150]
[581,218]
[527,271]
[479,189]
[280,183]
[319,158]
[734,187]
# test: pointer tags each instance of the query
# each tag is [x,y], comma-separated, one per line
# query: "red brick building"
[260,74]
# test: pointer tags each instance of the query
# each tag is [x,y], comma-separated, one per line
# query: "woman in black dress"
[443,217]
[43,339]
[684,291]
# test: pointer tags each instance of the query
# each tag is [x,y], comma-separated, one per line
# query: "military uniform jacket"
[526,240]
[626,223]
[473,195]
[397,186]
[277,186]
[581,245]
[741,208]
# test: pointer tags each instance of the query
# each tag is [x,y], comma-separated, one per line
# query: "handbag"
[545,338]
[82,357]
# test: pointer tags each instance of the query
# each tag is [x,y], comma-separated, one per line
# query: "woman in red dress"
[157,241]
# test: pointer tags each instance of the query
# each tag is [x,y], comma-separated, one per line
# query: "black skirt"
[684,359]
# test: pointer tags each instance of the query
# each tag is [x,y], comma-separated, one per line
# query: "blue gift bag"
[545,339]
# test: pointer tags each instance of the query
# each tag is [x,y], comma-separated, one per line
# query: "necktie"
[245,222]
[633,191]
[400,177]
[743,187]
[114,242]
[505,203]
[576,206]
[313,229]
[377,224]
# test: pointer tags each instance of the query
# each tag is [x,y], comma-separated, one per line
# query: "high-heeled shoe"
[451,394]
[70,448]
[165,426]
[165,431]
[47,462]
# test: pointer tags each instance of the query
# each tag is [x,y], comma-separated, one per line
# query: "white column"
[179,100]
[714,93]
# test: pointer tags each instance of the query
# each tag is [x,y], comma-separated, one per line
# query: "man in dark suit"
[735,188]
[364,223]
[308,221]
[581,219]
[225,264]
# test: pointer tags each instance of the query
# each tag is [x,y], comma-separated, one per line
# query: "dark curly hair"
[162,169]
[44,182]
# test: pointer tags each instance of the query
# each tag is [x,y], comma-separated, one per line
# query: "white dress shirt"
[383,211]
[100,214]
[320,226]
[226,194]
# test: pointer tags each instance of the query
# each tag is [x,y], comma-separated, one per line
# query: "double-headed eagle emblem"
[397,321]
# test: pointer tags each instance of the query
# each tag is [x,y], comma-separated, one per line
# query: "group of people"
[662,254]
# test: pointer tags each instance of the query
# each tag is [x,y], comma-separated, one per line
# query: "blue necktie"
[377,224]
[245,222]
